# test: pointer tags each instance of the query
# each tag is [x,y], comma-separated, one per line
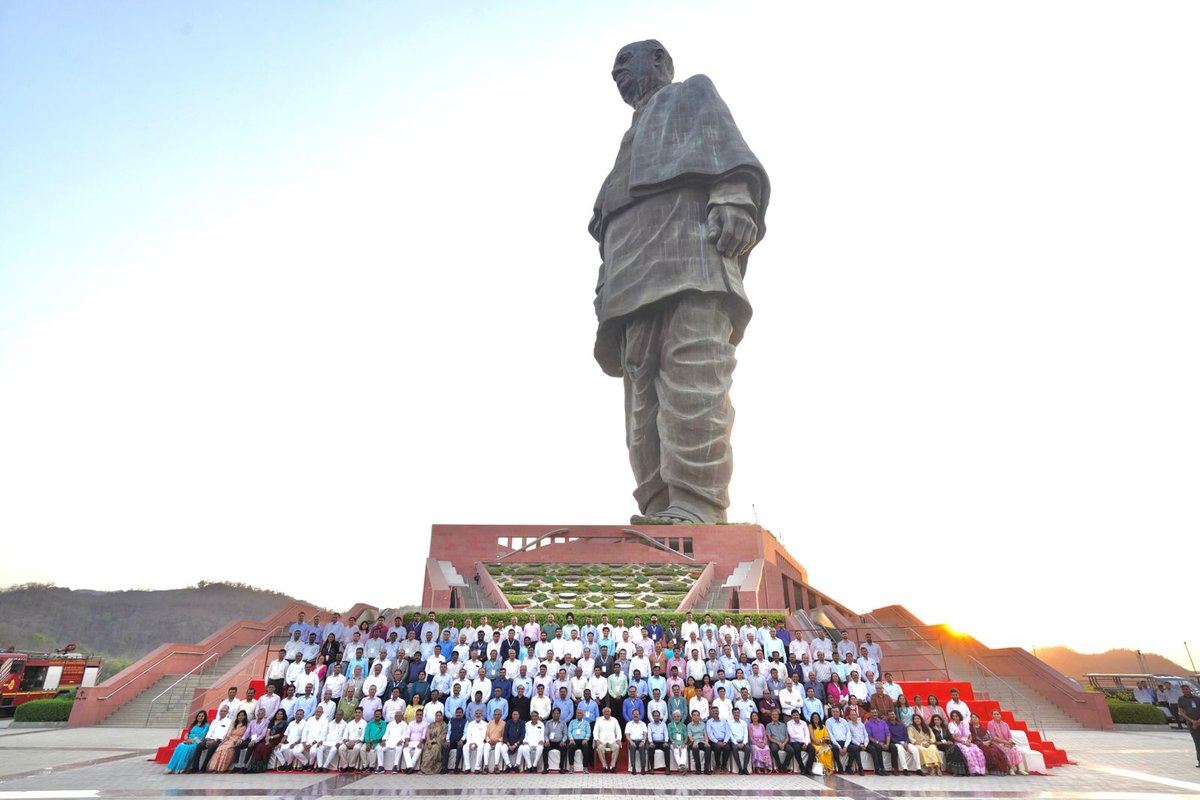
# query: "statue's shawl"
[686,134]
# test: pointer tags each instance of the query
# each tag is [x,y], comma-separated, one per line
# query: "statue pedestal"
[746,563]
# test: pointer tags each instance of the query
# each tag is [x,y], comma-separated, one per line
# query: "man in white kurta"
[394,737]
[529,755]
[475,742]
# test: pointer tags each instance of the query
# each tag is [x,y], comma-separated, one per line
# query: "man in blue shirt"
[514,737]
[502,683]
[658,741]
[564,704]
[717,731]
[498,701]
[589,707]
[655,630]
[454,702]
[579,737]
[455,735]
[839,736]
[478,702]
[739,742]
[632,703]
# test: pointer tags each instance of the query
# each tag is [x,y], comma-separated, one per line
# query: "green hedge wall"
[1135,713]
[665,618]
[43,711]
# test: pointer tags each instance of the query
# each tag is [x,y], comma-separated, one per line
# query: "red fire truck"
[37,676]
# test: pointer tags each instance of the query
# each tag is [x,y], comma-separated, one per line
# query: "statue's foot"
[670,516]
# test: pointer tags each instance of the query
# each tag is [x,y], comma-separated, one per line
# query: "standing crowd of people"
[698,696]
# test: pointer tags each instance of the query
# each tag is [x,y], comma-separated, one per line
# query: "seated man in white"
[530,752]
[394,738]
[475,742]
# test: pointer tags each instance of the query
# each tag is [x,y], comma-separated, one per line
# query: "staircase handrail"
[1032,705]
[150,707]
[173,653]
[1072,697]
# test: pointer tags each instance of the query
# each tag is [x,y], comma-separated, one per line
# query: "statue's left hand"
[732,229]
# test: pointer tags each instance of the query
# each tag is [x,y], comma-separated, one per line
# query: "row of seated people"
[360,731]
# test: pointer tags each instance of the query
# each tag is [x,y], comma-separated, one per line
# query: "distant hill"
[1069,662]
[124,626]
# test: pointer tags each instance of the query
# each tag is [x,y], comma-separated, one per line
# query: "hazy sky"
[283,284]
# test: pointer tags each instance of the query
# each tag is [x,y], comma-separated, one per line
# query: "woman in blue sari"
[185,749]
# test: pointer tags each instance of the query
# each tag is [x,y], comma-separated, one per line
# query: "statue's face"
[638,73]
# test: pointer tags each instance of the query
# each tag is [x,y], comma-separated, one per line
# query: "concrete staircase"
[723,594]
[474,598]
[170,709]
[1012,693]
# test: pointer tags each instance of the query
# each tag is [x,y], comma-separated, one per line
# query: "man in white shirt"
[312,739]
[530,753]
[327,705]
[350,752]
[212,739]
[640,663]
[295,672]
[334,734]
[956,704]
[821,644]
[574,645]
[798,648]
[231,704]
[598,685]
[475,742]
[846,645]
[857,687]
[394,737]
[699,703]
[866,663]
[606,734]
[874,651]
[890,687]
[309,678]
[293,740]
[723,705]
[335,681]
[277,670]
[790,699]
[394,705]
[635,736]
[689,627]
[540,703]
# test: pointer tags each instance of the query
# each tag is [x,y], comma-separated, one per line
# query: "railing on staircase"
[1009,696]
[200,671]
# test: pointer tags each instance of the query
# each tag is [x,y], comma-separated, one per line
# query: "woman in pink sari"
[960,731]
[1002,735]
[760,751]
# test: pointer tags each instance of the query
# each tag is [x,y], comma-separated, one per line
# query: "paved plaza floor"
[114,762]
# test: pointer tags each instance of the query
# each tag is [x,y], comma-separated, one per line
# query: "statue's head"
[641,69]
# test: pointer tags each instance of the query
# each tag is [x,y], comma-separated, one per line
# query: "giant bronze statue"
[676,219]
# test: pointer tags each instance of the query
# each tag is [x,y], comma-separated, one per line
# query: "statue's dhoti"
[678,363]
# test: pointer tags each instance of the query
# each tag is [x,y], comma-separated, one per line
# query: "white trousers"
[473,756]
[327,756]
[412,756]
[530,755]
[910,756]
